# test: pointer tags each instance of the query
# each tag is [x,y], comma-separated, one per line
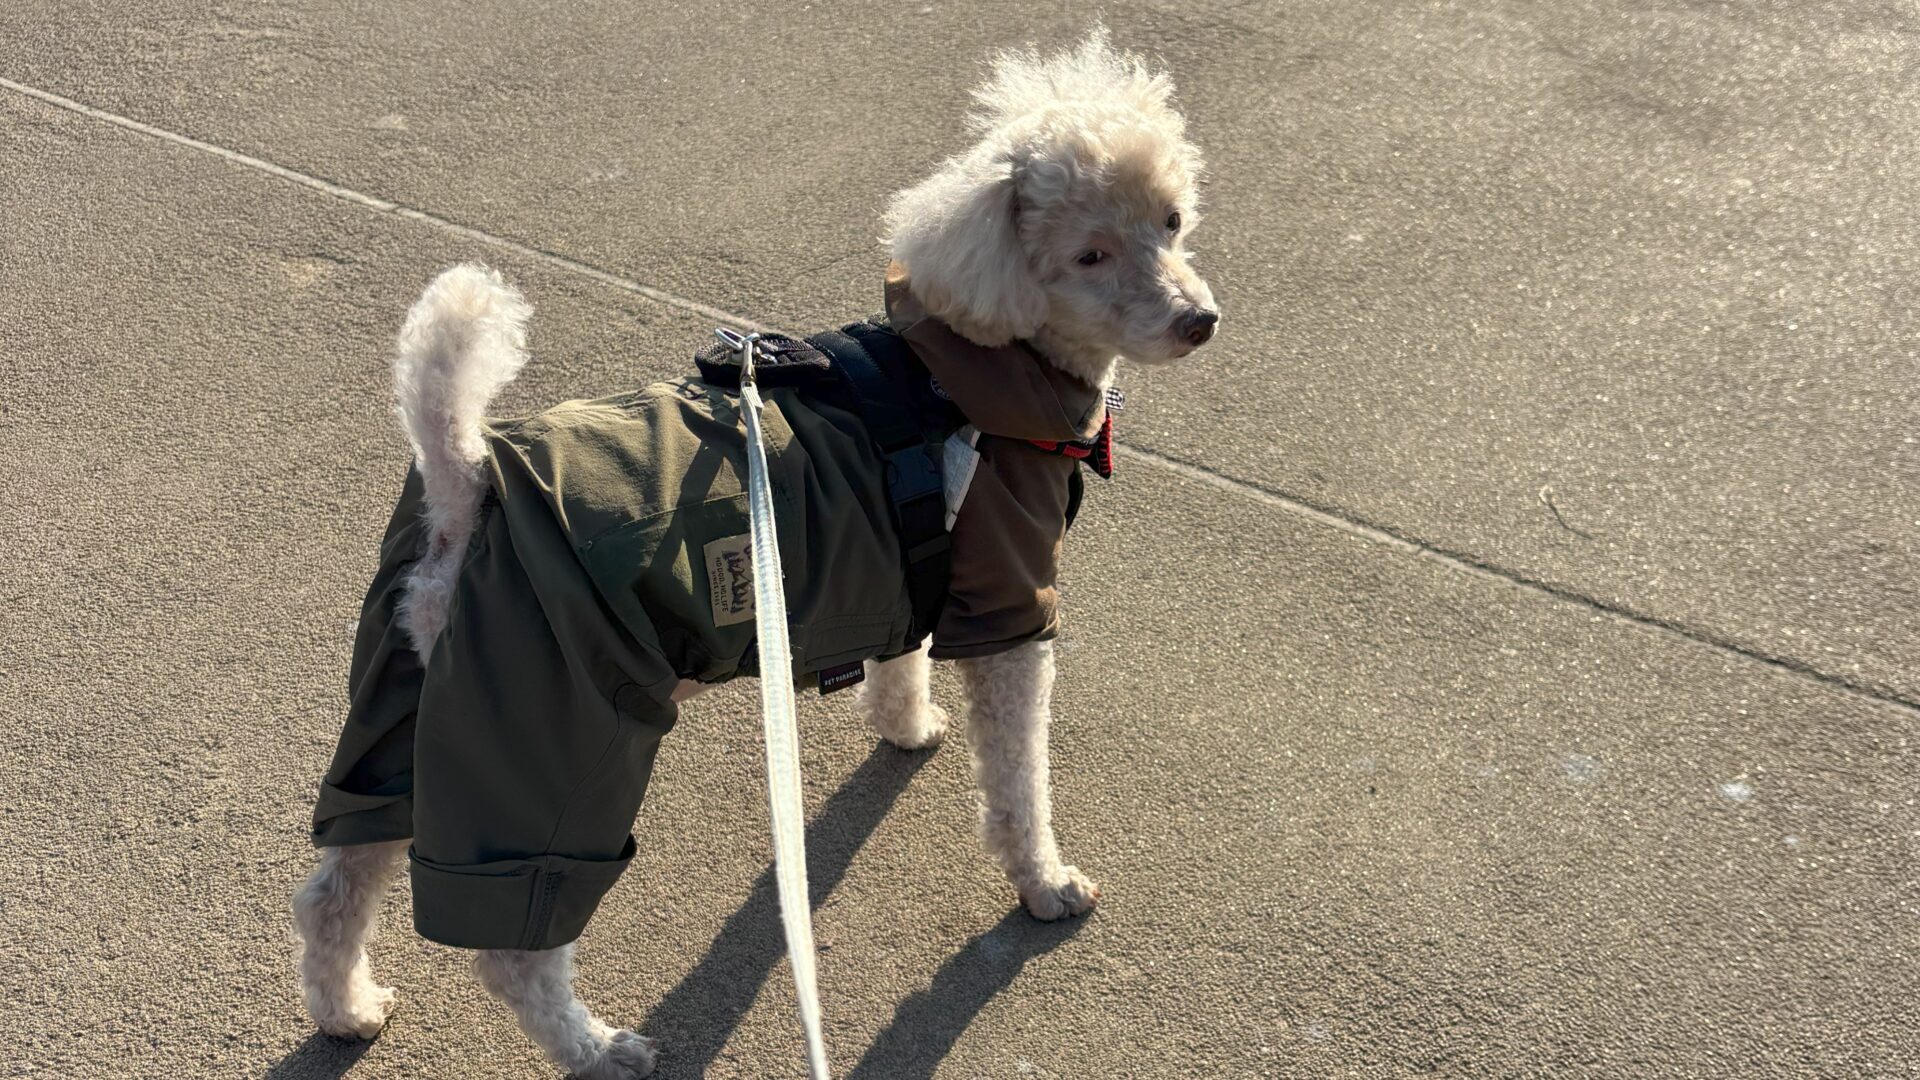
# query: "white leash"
[777,717]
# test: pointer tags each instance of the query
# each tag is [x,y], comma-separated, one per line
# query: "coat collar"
[1011,390]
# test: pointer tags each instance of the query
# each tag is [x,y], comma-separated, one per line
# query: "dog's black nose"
[1198,326]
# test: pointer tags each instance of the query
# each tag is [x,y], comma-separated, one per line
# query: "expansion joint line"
[1328,516]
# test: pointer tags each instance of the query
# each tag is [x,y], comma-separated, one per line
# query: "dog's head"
[1066,224]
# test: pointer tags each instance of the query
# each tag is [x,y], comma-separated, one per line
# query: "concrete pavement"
[1443,780]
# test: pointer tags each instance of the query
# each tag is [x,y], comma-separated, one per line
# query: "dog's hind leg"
[897,704]
[1009,697]
[336,911]
[538,987]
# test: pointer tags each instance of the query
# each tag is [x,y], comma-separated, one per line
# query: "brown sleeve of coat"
[1006,552]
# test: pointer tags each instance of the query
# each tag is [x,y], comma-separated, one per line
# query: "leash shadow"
[927,1024]
[321,1057]
[695,1018]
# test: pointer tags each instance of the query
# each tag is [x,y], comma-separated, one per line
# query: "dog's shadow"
[927,1024]
[695,1018]
[321,1057]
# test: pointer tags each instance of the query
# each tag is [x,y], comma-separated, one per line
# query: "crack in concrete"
[1340,519]
[385,206]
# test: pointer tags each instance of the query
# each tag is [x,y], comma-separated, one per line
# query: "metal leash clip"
[742,346]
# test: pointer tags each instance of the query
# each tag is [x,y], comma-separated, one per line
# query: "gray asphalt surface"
[1388,763]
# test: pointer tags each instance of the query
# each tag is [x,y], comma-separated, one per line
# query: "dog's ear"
[957,234]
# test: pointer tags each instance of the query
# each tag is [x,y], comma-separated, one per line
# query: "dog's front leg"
[1009,698]
[898,705]
[538,986]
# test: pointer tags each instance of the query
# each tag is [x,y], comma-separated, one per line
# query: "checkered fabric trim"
[1095,453]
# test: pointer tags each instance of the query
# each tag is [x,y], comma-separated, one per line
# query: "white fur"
[464,339]
[896,700]
[335,912]
[1009,696]
[538,987]
[1077,150]
[956,232]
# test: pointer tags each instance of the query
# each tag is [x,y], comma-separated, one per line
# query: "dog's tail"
[464,339]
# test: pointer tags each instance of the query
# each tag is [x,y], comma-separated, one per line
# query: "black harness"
[869,366]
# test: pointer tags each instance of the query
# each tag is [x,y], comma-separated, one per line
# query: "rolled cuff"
[975,649]
[539,903]
[344,818]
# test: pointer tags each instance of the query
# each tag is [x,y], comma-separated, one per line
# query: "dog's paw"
[920,728]
[358,1012]
[628,1056]
[1073,894]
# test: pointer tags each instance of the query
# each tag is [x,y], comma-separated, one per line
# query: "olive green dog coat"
[610,560]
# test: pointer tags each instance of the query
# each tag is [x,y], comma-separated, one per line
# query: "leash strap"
[777,718]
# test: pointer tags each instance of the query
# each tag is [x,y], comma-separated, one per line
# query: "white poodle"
[1064,227]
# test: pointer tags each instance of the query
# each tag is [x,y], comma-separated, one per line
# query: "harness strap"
[911,456]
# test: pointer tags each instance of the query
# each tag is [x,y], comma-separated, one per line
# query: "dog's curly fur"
[1078,152]
[465,338]
[1063,225]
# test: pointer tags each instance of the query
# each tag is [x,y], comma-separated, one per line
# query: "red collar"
[1095,453]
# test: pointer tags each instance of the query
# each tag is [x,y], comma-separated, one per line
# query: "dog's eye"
[1173,221]
[1091,258]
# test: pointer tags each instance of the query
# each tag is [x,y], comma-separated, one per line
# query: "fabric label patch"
[730,579]
[839,678]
